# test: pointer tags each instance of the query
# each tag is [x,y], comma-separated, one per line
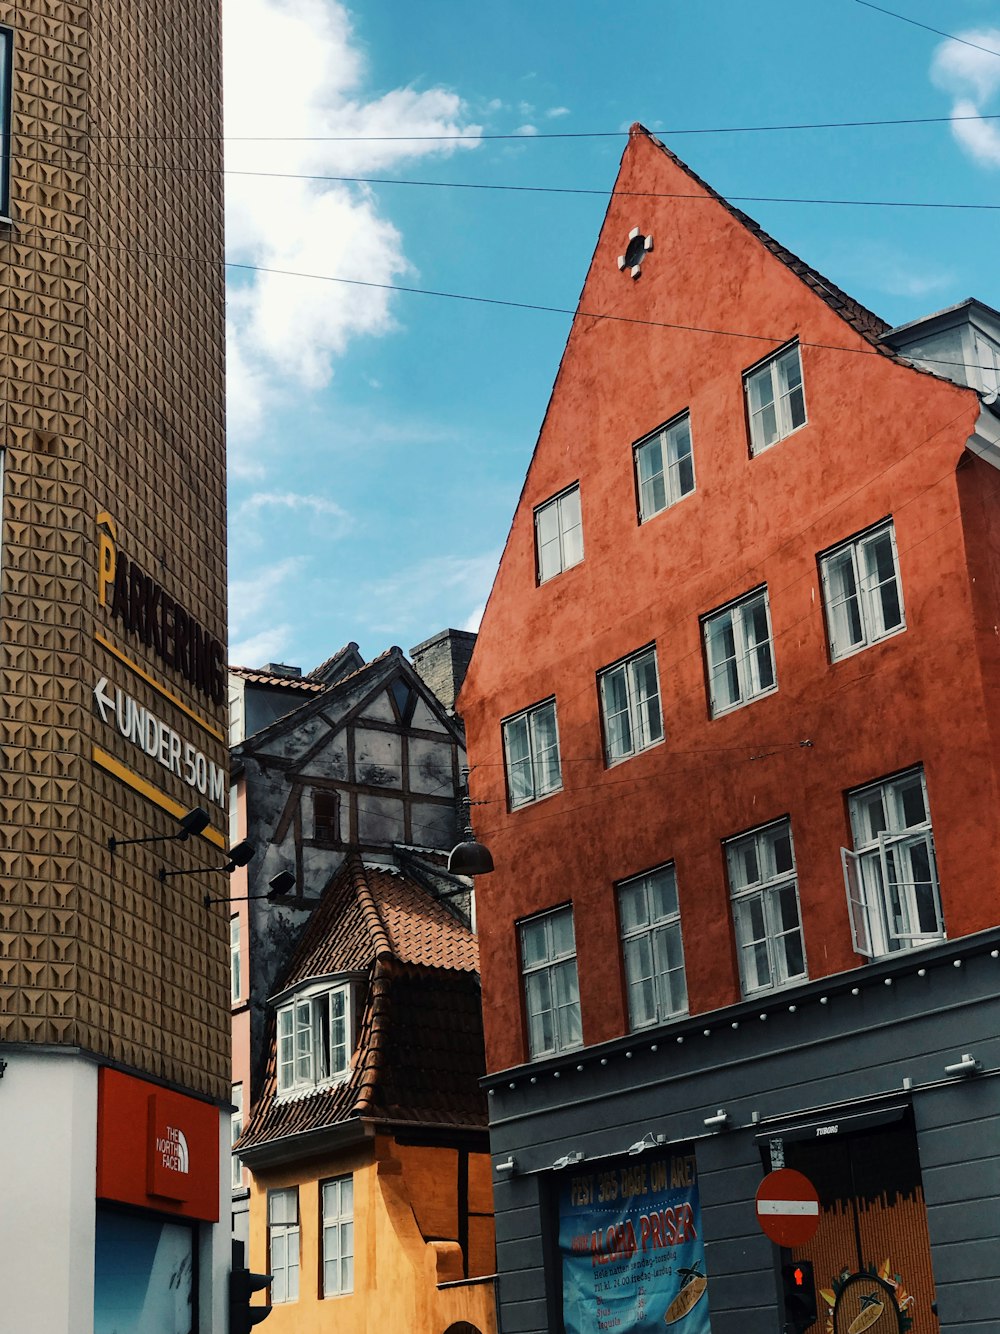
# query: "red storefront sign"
[788,1207]
[156,1149]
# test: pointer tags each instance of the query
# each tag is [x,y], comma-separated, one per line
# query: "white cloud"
[554,112]
[294,79]
[526,129]
[257,593]
[455,587]
[266,646]
[291,501]
[474,621]
[972,79]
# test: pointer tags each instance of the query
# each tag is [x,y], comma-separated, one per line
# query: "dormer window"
[314,1038]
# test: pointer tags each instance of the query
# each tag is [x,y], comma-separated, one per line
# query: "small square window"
[531,754]
[776,403]
[652,948]
[551,986]
[314,1039]
[558,534]
[761,866]
[235,958]
[630,704]
[326,817]
[862,592]
[664,467]
[740,652]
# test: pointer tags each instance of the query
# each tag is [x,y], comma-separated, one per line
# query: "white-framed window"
[559,533]
[337,1204]
[776,404]
[283,1244]
[236,1130]
[862,592]
[531,753]
[740,652]
[235,960]
[893,895]
[987,358]
[630,705]
[664,467]
[761,867]
[551,985]
[314,1044]
[651,947]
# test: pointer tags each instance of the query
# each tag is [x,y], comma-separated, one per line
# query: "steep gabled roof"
[345,660]
[419,1055]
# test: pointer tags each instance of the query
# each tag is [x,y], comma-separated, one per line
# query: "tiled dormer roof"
[259,678]
[419,1054]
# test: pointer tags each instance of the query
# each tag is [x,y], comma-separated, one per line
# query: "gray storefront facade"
[880,1082]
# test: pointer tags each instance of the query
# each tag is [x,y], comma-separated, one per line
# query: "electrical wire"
[903,18]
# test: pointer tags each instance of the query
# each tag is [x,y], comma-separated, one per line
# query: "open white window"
[664,467]
[531,754]
[558,534]
[651,947]
[890,875]
[551,984]
[314,1037]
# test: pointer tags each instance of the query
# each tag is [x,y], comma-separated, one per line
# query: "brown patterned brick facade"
[111,338]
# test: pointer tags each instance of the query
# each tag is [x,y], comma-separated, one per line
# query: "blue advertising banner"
[631,1246]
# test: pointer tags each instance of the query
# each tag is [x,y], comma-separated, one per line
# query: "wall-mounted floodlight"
[968,1065]
[507,1167]
[718,1121]
[190,824]
[567,1160]
[238,856]
[648,1141]
[277,887]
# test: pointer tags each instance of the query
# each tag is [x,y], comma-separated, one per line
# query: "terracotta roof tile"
[419,1056]
[259,678]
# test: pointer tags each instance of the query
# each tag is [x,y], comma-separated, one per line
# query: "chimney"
[442,662]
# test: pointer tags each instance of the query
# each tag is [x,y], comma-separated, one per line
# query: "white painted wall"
[48,1166]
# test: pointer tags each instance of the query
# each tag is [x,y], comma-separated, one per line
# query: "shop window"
[761,867]
[776,404]
[283,1244]
[651,947]
[551,986]
[630,704]
[558,534]
[891,875]
[338,1236]
[531,754]
[740,652]
[862,591]
[664,467]
[314,1038]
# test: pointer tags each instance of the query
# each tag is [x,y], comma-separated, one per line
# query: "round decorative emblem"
[865,1302]
[636,251]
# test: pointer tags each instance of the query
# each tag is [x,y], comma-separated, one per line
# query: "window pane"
[533,946]
[638,956]
[663,892]
[563,939]
[911,798]
[722,661]
[632,906]
[652,485]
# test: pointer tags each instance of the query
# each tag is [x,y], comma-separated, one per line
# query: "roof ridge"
[370,1041]
[381,943]
[857,316]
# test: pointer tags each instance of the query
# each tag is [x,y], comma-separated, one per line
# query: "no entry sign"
[788,1207]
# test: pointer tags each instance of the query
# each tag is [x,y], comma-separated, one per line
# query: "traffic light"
[799,1295]
[242,1286]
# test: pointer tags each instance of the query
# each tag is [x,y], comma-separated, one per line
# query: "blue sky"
[378,440]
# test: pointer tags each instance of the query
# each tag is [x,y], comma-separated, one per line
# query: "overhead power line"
[776,339]
[614,194]
[70,140]
[903,18]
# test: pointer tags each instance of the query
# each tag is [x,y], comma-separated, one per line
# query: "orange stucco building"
[732,718]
